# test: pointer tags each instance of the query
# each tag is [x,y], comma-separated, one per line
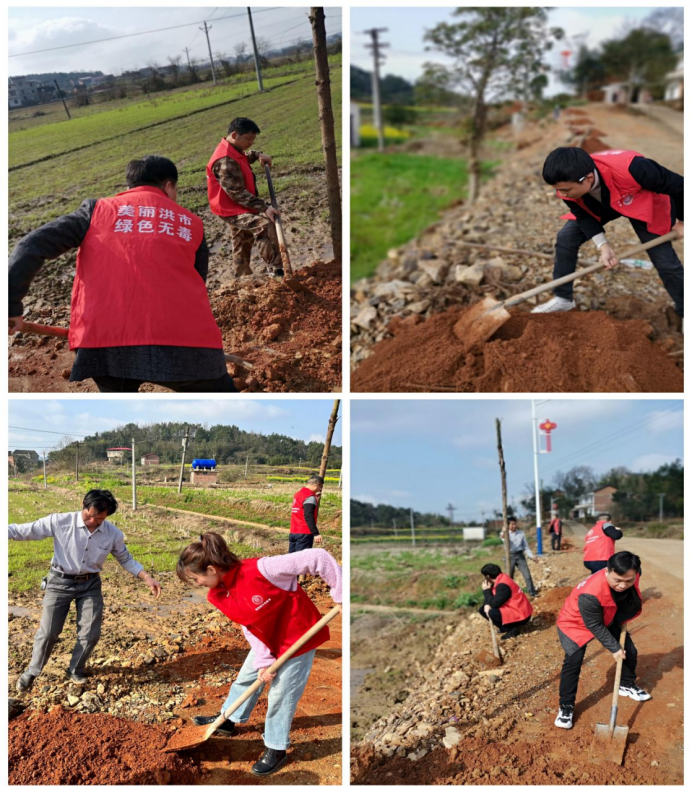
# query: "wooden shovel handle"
[44,330]
[513,301]
[283,249]
[618,668]
[496,649]
[280,661]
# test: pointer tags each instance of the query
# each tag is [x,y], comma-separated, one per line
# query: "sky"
[406,55]
[33,29]
[303,419]
[428,453]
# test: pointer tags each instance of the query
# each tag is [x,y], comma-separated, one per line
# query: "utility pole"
[258,69]
[376,45]
[534,433]
[182,462]
[63,98]
[45,478]
[247,457]
[450,509]
[186,50]
[341,472]
[76,464]
[661,496]
[413,529]
[394,525]
[300,460]
[206,30]
[503,478]
[134,478]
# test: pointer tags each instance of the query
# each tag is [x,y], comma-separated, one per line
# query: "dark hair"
[209,550]
[603,516]
[242,126]
[316,478]
[491,570]
[567,164]
[151,170]
[623,561]
[102,500]
[511,519]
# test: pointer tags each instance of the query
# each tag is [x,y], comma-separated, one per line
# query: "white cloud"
[399,493]
[665,421]
[316,437]
[366,498]
[650,462]
[228,410]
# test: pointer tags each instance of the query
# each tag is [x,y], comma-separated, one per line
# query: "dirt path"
[401,609]
[502,720]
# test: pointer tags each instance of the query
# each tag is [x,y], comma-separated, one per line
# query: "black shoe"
[278,273]
[78,677]
[25,682]
[227,728]
[272,760]
[511,634]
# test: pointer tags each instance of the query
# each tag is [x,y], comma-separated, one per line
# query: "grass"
[429,578]
[287,116]
[394,197]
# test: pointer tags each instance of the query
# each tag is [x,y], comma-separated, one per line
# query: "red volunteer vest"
[627,196]
[276,617]
[298,524]
[598,547]
[556,525]
[570,621]
[136,281]
[517,608]
[220,202]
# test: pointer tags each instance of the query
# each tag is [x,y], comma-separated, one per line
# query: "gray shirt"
[518,543]
[76,550]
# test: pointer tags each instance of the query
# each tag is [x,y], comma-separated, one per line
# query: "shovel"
[189,737]
[285,260]
[51,330]
[609,741]
[483,319]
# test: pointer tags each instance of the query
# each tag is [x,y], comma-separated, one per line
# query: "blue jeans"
[570,238]
[285,691]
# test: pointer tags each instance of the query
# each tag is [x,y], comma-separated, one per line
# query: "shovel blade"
[480,322]
[609,747]
[188,738]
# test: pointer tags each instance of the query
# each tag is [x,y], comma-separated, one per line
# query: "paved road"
[671,118]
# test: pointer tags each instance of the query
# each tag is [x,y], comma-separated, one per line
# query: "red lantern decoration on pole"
[546,428]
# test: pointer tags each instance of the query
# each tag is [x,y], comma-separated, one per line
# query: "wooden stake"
[503,477]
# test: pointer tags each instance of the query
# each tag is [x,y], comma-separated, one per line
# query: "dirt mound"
[292,336]
[553,599]
[480,762]
[593,144]
[101,750]
[571,352]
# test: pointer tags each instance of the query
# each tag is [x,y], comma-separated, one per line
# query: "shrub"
[468,600]
[489,542]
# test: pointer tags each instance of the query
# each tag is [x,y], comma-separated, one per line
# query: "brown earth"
[570,352]
[502,720]
[302,354]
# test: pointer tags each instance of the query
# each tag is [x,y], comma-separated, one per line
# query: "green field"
[394,197]
[443,579]
[195,121]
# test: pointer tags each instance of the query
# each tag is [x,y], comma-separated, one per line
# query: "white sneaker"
[635,693]
[556,304]
[564,717]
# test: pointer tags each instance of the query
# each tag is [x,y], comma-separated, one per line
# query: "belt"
[82,577]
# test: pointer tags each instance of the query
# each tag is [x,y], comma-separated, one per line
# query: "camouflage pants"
[247,230]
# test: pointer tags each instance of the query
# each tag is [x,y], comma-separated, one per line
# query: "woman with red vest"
[599,543]
[505,604]
[596,609]
[232,192]
[304,531]
[140,310]
[555,532]
[263,597]
[601,187]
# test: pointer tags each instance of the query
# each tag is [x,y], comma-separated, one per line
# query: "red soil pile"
[480,761]
[593,144]
[62,748]
[574,111]
[568,352]
[291,335]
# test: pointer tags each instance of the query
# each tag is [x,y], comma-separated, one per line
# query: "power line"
[131,35]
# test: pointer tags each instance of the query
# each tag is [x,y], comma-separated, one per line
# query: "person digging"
[597,608]
[82,542]
[140,310]
[555,532]
[232,192]
[599,543]
[263,597]
[506,606]
[598,189]
[303,531]
[518,551]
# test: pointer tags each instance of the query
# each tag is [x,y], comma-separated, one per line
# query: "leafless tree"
[175,68]
[240,50]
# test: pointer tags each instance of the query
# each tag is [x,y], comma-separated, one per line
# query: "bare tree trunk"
[324,102]
[328,442]
[503,477]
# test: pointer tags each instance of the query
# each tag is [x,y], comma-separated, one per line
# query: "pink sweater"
[283,571]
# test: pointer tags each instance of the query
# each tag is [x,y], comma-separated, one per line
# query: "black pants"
[594,567]
[555,541]
[299,542]
[571,667]
[519,560]
[127,385]
[570,238]
[496,618]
